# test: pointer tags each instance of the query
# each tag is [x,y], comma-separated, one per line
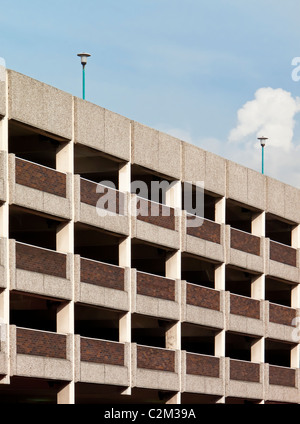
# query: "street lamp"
[84,57]
[262,143]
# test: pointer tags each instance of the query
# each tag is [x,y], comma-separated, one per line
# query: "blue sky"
[187,67]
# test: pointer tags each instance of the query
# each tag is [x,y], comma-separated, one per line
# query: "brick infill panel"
[155,286]
[281,315]
[36,343]
[244,306]
[156,214]
[103,275]
[282,376]
[205,366]
[41,178]
[102,352]
[114,199]
[284,254]
[245,242]
[155,359]
[206,230]
[202,297]
[34,259]
[244,371]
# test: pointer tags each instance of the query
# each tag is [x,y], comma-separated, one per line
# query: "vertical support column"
[258,351]
[258,224]
[295,356]
[296,237]
[258,287]
[125,261]
[65,318]
[4,232]
[173,271]
[220,211]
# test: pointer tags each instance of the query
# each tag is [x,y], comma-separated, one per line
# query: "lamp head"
[84,57]
[262,141]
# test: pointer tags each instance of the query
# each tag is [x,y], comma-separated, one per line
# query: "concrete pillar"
[220,277]
[220,344]
[258,287]
[174,195]
[173,265]
[295,356]
[258,351]
[258,224]
[173,336]
[296,237]
[220,211]
[295,296]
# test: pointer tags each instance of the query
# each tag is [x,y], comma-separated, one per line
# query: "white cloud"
[272,113]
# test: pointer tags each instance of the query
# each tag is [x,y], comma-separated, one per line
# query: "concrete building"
[138,309]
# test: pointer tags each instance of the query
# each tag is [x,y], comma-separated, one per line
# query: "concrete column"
[295,356]
[173,265]
[258,224]
[220,211]
[220,344]
[296,237]
[174,195]
[173,336]
[65,158]
[220,277]
[258,287]
[295,296]
[258,351]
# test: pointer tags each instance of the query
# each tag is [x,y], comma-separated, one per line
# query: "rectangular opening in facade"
[97,323]
[34,312]
[238,346]
[278,353]
[149,258]
[195,270]
[239,281]
[209,206]
[278,291]
[33,228]
[145,184]
[149,331]
[96,166]
[33,145]
[239,216]
[93,243]
[197,339]
[278,229]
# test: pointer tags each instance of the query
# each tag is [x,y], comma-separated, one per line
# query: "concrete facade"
[138,309]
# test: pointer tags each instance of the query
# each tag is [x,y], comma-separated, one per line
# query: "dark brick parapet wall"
[202,297]
[284,254]
[115,199]
[281,315]
[245,242]
[282,376]
[155,286]
[244,371]
[155,359]
[244,306]
[209,230]
[50,345]
[206,366]
[30,258]
[102,352]
[41,178]
[100,274]
[156,214]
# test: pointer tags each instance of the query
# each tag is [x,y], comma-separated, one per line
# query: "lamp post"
[262,143]
[84,57]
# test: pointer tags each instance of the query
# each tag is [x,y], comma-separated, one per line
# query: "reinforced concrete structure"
[133,308]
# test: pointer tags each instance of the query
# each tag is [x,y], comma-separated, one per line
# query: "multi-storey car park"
[138,309]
